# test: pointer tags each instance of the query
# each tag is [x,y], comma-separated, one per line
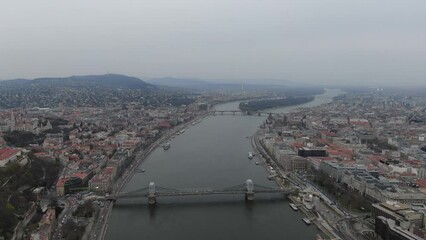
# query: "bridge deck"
[196,193]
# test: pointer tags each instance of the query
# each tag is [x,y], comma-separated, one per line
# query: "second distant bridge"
[249,189]
[233,112]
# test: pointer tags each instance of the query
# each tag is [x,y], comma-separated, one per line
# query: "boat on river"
[166,146]
[293,206]
[306,221]
[250,155]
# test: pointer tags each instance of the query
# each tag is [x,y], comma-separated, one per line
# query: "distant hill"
[109,81]
[14,82]
[77,91]
[179,82]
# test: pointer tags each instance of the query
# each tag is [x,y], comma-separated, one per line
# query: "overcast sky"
[308,41]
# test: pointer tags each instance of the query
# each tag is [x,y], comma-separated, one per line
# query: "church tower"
[12,121]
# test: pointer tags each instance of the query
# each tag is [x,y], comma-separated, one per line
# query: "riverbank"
[280,178]
[121,183]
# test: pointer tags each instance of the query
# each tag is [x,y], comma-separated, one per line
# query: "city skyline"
[213,119]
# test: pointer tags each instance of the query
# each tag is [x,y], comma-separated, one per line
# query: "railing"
[166,192]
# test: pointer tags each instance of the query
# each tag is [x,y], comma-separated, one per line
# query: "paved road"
[62,218]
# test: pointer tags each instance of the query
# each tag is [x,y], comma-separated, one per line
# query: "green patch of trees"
[55,122]
[85,210]
[7,221]
[378,145]
[273,103]
[22,138]
[71,231]
[16,195]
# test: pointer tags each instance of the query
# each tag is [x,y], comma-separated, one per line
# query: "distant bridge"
[234,112]
[152,192]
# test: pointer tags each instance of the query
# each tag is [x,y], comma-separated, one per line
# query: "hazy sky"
[309,41]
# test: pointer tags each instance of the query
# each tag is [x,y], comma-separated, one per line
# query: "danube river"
[210,154]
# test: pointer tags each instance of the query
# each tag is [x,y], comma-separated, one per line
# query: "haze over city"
[309,41]
[213,119]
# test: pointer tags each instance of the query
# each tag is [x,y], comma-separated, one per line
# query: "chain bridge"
[152,192]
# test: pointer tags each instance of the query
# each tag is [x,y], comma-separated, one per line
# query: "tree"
[295,192]
[68,227]
[53,202]
[85,210]
[10,207]
[12,168]
[22,138]
[7,221]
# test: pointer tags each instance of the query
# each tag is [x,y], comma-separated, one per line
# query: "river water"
[210,154]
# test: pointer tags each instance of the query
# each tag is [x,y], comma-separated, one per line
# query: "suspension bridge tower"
[152,200]
[249,190]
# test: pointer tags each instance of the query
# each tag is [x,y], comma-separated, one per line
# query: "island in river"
[256,105]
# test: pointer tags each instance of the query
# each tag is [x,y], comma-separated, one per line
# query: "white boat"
[250,155]
[307,221]
[293,206]
[257,163]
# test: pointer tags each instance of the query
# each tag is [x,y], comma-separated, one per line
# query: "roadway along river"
[211,154]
